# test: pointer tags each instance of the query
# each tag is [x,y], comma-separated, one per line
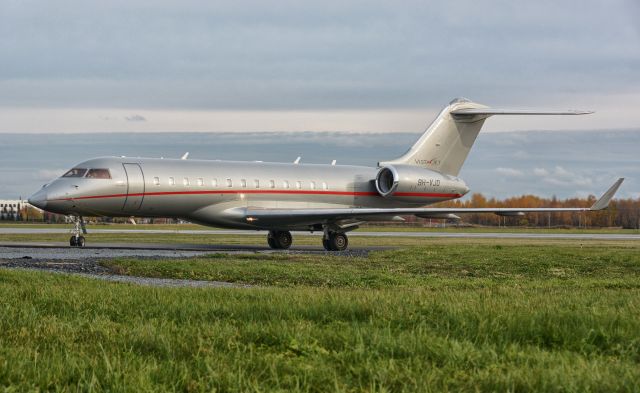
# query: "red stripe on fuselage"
[290,192]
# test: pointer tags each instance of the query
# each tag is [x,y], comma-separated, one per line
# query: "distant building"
[10,209]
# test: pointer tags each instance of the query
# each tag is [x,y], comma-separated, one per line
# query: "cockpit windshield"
[93,173]
[75,172]
[99,174]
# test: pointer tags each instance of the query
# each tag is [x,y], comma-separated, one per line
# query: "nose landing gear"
[76,239]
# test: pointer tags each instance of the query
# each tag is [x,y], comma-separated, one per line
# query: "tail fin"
[445,144]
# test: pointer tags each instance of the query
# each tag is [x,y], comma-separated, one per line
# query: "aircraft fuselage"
[213,192]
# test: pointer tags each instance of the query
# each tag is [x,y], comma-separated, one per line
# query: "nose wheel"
[76,239]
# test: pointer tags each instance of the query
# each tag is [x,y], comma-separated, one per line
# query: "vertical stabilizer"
[446,143]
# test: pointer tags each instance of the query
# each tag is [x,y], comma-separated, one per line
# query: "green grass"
[489,316]
[475,264]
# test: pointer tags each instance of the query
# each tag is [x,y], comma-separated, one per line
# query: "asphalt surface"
[418,234]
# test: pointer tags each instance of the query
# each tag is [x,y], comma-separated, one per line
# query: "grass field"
[483,315]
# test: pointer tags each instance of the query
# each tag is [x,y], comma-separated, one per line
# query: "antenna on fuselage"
[185,156]
[297,161]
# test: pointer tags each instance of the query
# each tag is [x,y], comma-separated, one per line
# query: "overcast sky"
[191,65]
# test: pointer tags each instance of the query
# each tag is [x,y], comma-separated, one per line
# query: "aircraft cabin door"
[135,187]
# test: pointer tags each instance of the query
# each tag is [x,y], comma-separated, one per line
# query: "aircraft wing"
[313,216]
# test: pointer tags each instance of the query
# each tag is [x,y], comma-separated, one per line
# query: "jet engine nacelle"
[417,185]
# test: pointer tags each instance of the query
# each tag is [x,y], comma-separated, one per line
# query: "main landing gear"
[331,241]
[76,239]
[279,240]
[335,241]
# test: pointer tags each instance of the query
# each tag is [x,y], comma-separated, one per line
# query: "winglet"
[185,156]
[604,200]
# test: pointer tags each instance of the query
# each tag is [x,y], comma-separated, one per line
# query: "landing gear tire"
[336,241]
[76,241]
[279,240]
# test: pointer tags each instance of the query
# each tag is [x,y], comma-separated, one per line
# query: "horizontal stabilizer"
[491,112]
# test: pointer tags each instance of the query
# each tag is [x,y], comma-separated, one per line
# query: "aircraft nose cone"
[39,199]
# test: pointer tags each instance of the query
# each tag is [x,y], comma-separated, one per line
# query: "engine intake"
[417,185]
[387,181]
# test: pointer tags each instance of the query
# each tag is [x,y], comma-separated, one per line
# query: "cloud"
[560,171]
[540,172]
[135,118]
[561,177]
[285,55]
[509,172]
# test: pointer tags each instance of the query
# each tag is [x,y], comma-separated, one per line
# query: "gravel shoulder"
[86,262]
[91,268]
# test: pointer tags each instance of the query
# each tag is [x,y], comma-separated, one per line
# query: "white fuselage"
[210,192]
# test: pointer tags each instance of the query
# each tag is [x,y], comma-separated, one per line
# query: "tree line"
[623,213]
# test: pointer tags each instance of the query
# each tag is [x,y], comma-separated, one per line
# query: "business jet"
[283,197]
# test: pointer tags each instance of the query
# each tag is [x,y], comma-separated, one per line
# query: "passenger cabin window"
[229,183]
[156,181]
[298,184]
[98,174]
[214,183]
[313,185]
[172,181]
[243,183]
[185,181]
[285,184]
[75,172]
[272,183]
[256,183]
[200,182]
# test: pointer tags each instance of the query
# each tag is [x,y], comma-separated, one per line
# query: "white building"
[10,209]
